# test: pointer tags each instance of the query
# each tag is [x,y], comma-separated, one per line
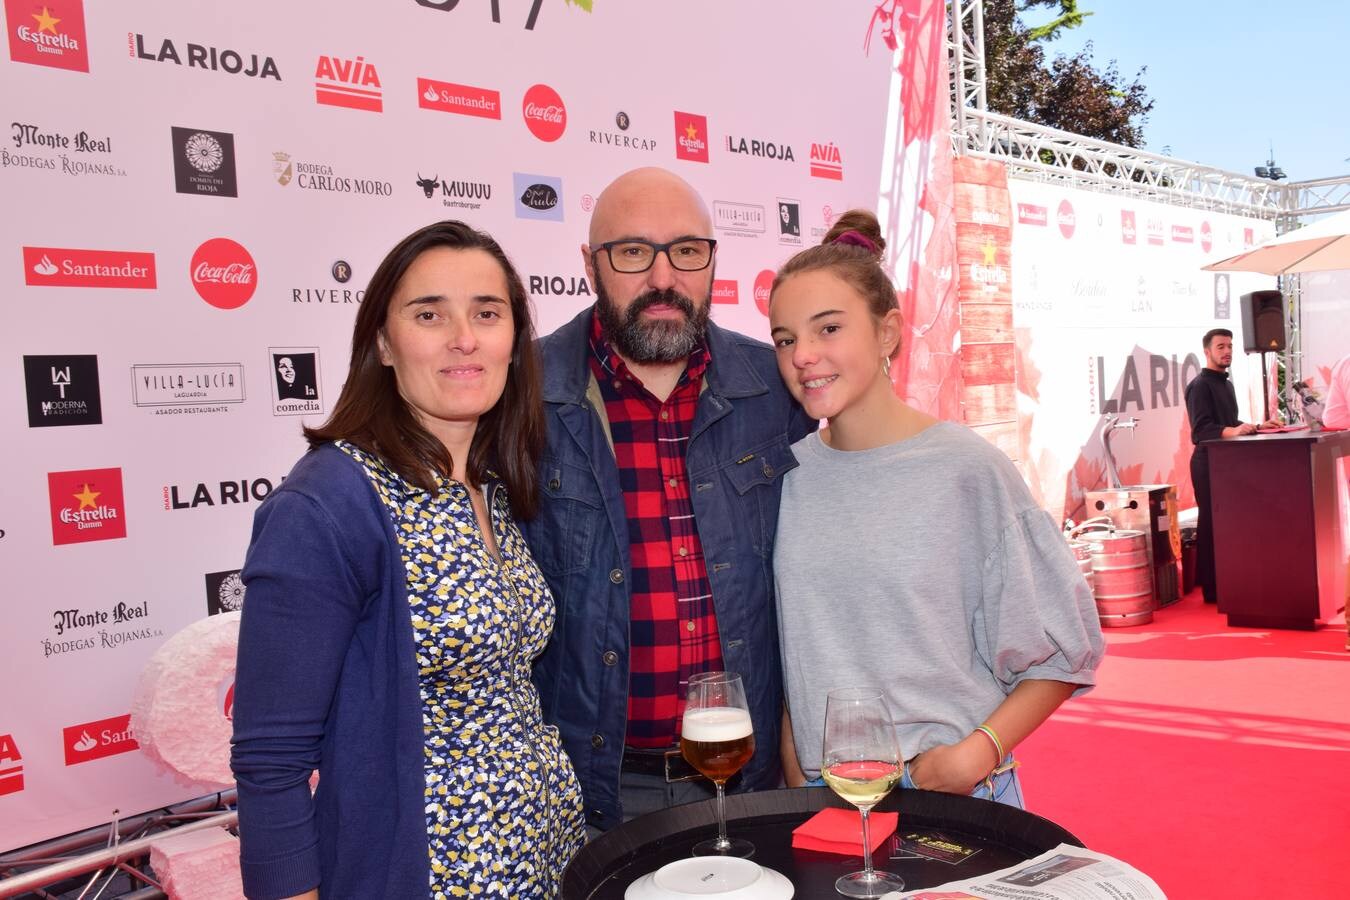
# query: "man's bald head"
[637,199]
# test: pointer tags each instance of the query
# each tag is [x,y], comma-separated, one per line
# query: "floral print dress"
[503,806]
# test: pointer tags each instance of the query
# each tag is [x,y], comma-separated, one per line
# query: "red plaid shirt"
[673,626]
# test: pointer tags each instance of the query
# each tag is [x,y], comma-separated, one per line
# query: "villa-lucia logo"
[544,112]
[350,83]
[223,273]
[47,33]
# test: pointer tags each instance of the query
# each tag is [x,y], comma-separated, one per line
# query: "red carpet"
[1215,759]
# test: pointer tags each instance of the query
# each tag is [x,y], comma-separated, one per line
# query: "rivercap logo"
[70,267]
[96,740]
[538,197]
[203,162]
[223,273]
[49,33]
[545,115]
[86,505]
[349,83]
[448,97]
[62,390]
[11,766]
[691,137]
[342,271]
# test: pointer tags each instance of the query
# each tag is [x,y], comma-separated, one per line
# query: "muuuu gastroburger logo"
[48,33]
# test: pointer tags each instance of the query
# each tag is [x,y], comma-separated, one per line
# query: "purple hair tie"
[857,240]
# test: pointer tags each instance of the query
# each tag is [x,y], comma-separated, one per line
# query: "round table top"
[940,838]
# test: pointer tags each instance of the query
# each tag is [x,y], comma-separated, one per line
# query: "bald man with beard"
[668,438]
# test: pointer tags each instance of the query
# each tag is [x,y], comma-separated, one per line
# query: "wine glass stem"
[867,845]
[721,816]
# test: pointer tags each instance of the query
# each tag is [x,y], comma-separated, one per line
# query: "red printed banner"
[95,740]
[68,267]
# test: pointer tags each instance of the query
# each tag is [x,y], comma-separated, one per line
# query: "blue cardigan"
[327,680]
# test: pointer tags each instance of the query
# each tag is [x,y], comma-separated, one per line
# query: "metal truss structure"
[1040,153]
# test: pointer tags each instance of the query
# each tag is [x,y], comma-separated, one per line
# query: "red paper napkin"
[834,830]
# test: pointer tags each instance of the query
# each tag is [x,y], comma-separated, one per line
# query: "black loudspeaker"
[1262,321]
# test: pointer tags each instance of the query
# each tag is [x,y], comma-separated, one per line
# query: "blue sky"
[1229,78]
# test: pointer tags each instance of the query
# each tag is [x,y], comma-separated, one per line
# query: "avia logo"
[203,57]
[763,149]
[96,740]
[1127,226]
[68,267]
[459,98]
[545,115]
[726,290]
[53,36]
[538,197]
[1183,234]
[763,287]
[1206,237]
[826,162]
[691,137]
[223,273]
[352,83]
[1066,219]
[1032,214]
[11,766]
[86,505]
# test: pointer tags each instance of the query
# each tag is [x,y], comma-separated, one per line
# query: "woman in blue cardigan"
[394,610]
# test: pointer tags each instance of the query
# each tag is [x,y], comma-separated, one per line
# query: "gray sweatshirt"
[923,568]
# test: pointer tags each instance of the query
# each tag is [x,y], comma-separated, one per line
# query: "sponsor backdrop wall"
[1109,308]
[195,196]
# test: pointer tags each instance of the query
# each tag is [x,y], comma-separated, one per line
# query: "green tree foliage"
[1069,92]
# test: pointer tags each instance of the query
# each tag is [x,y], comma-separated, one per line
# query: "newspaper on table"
[1064,873]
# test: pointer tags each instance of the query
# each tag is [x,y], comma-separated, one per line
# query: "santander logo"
[545,115]
[95,740]
[1065,217]
[72,267]
[763,285]
[1031,214]
[223,273]
[725,290]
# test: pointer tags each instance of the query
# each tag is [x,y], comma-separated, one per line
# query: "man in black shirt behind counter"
[1211,404]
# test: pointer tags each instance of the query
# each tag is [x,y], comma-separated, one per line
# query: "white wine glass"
[861,763]
[716,738]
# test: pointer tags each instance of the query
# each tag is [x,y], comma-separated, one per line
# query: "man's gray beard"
[656,341]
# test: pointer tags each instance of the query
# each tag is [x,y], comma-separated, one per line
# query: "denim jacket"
[738,453]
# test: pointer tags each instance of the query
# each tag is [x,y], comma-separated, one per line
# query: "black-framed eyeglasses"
[633,256]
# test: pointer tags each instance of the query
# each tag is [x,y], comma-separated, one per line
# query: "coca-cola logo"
[1206,237]
[763,285]
[223,273]
[545,115]
[1066,219]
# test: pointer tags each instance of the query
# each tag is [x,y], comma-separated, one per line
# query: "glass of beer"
[861,762]
[717,739]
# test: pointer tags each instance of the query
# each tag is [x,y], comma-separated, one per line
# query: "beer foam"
[721,723]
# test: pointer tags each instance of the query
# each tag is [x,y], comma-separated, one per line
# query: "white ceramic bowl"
[711,876]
